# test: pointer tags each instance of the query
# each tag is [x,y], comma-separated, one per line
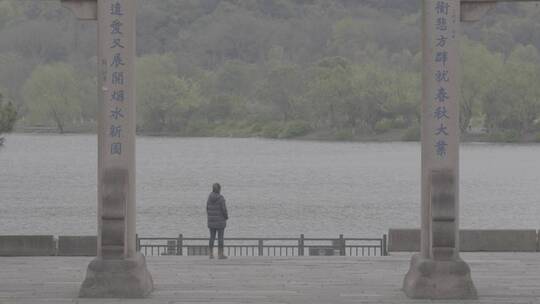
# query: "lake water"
[273,188]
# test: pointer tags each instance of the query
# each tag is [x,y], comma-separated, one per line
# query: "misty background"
[332,69]
[274,69]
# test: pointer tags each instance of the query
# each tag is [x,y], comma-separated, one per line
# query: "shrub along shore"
[299,132]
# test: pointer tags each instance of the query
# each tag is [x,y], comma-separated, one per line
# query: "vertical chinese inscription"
[117,69]
[445,34]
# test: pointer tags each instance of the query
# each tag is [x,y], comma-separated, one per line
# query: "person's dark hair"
[216,188]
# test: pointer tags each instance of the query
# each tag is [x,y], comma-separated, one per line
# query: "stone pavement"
[499,278]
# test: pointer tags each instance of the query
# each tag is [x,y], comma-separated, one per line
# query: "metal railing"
[152,246]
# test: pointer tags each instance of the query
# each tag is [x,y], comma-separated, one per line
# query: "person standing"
[217,219]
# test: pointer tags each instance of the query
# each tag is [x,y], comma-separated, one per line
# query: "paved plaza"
[499,278]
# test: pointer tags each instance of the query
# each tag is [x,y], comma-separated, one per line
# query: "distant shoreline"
[390,136]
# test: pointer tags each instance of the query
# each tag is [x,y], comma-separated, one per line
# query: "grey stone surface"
[117,278]
[471,240]
[498,240]
[431,279]
[407,240]
[443,234]
[77,245]
[500,278]
[116,154]
[440,135]
[27,245]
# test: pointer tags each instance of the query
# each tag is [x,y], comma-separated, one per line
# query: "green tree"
[514,101]
[404,104]
[87,85]
[165,102]
[377,94]
[281,88]
[7,12]
[330,85]
[480,70]
[218,108]
[231,33]
[8,116]
[244,64]
[235,78]
[52,95]
[14,71]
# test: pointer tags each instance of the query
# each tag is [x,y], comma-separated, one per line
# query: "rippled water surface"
[273,188]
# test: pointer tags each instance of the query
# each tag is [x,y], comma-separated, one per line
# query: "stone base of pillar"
[430,279]
[117,278]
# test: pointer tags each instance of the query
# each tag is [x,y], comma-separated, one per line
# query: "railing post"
[180,244]
[137,243]
[384,249]
[301,245]
[261,247]
[341,245]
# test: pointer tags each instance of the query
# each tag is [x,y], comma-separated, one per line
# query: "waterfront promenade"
[499,278]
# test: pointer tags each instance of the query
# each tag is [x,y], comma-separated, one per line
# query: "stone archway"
[436,272]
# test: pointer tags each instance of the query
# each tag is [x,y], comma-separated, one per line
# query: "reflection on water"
[273,188]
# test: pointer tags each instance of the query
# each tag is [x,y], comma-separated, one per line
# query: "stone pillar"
[118,270]
[437,272]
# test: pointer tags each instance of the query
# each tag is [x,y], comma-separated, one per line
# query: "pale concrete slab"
[499,278]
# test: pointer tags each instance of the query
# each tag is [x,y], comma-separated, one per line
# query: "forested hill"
[343,69]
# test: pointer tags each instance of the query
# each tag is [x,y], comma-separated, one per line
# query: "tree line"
[339,69]
[8,116]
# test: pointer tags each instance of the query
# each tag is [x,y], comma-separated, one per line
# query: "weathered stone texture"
[430,279]
[77,245]
[27,245]
[472,240]
[117,278]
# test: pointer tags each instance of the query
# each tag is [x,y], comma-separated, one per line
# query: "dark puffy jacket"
[217,211]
